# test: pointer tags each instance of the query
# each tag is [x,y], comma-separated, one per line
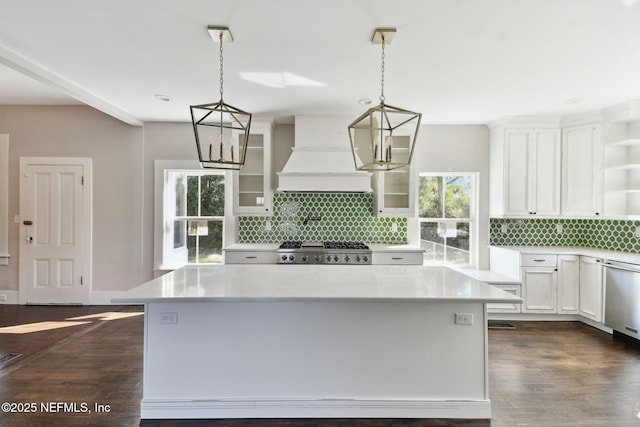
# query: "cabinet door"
[395,193]
[544,173]
[591,288]
[582,174]
[568,284]
[516,176]
[539,286]
[252,183]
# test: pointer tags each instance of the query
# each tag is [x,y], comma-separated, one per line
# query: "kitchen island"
[278,341]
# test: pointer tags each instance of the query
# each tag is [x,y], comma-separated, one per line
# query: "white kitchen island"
[279,341]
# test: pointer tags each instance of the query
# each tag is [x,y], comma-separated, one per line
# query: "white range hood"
[321,159]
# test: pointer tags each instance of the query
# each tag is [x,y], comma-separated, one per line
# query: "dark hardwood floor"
[541,374]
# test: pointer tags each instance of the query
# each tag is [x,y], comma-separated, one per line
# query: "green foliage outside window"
[444,197]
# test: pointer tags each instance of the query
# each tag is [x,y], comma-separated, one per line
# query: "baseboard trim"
[320,408]
[104,297]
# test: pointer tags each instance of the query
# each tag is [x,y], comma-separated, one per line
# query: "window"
[447,214]
[193,217]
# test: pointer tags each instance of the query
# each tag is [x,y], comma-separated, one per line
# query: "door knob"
[29,240]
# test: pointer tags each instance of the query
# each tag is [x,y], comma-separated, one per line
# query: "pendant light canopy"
[384,136]
[221,130]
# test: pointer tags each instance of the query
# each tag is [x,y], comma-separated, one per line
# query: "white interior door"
[55,233]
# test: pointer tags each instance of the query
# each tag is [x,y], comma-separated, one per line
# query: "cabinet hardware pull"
[397,257]
[539,260]
[635,331]
[251,257]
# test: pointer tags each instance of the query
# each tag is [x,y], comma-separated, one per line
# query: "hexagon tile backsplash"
[344,216]
[607,234]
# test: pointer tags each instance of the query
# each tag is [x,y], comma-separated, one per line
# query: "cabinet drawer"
[535,260]
[249,257]
[401,258]
[505,307]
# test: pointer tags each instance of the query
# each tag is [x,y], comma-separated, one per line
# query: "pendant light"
[384,136]
[221,130]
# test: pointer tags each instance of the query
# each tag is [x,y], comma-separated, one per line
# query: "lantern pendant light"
[221,130]
[384,136]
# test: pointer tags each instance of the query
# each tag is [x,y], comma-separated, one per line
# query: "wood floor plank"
[541,373]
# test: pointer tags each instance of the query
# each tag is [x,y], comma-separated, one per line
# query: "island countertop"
[266,282]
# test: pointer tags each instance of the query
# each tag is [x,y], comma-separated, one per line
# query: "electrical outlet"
[504,228]
[168,318]
[267,225]
[638,232]
[559,228]
[3,297]
[394,227]
[464,319]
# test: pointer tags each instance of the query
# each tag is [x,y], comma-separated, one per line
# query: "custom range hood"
[321,160]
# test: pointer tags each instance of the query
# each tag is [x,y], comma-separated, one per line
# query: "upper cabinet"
[252,190]
[622,160]
[582,154]
[394,190]
[525,172]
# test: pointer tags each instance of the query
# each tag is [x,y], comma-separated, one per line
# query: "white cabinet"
[539,283]
[398,257]
[525,172]
[394,190]
[252,190]
[582,173]
[591,288]
[622,160]
[250,257]
[505,307]
[568,284]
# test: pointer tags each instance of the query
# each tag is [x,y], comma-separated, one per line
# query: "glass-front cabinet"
[253,194]
[394,190]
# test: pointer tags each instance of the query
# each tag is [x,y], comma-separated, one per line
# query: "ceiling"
[455,61]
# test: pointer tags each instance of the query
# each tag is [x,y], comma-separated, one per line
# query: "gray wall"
[123,177]
[116,149]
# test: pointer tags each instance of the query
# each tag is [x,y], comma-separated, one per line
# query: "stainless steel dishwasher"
[622,297]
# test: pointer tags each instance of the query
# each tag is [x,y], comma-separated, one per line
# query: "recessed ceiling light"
[364,101]
[572,101]
[165,98]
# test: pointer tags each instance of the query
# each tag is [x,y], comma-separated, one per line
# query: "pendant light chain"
[221,68]
[382,72]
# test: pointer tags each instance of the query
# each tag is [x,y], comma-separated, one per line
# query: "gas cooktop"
[333,252]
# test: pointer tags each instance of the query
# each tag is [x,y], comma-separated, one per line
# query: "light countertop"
[488,276]
[268,282]
[576,250]
[375,247]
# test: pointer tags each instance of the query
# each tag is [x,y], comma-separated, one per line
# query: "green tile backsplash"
[344,217]
[608,234]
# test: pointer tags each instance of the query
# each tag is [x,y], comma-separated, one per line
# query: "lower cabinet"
[591,288]
[539,283]
[249,257]
[568,284]
[504,307]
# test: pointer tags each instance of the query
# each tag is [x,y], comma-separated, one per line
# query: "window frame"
[166,257]
[472,220]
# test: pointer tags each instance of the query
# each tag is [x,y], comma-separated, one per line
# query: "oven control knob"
[329,258]
[292,257]
[366,259]
[318,258]
[305,258]
[346,258]
[284,257]
[358,258]
[335,258]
